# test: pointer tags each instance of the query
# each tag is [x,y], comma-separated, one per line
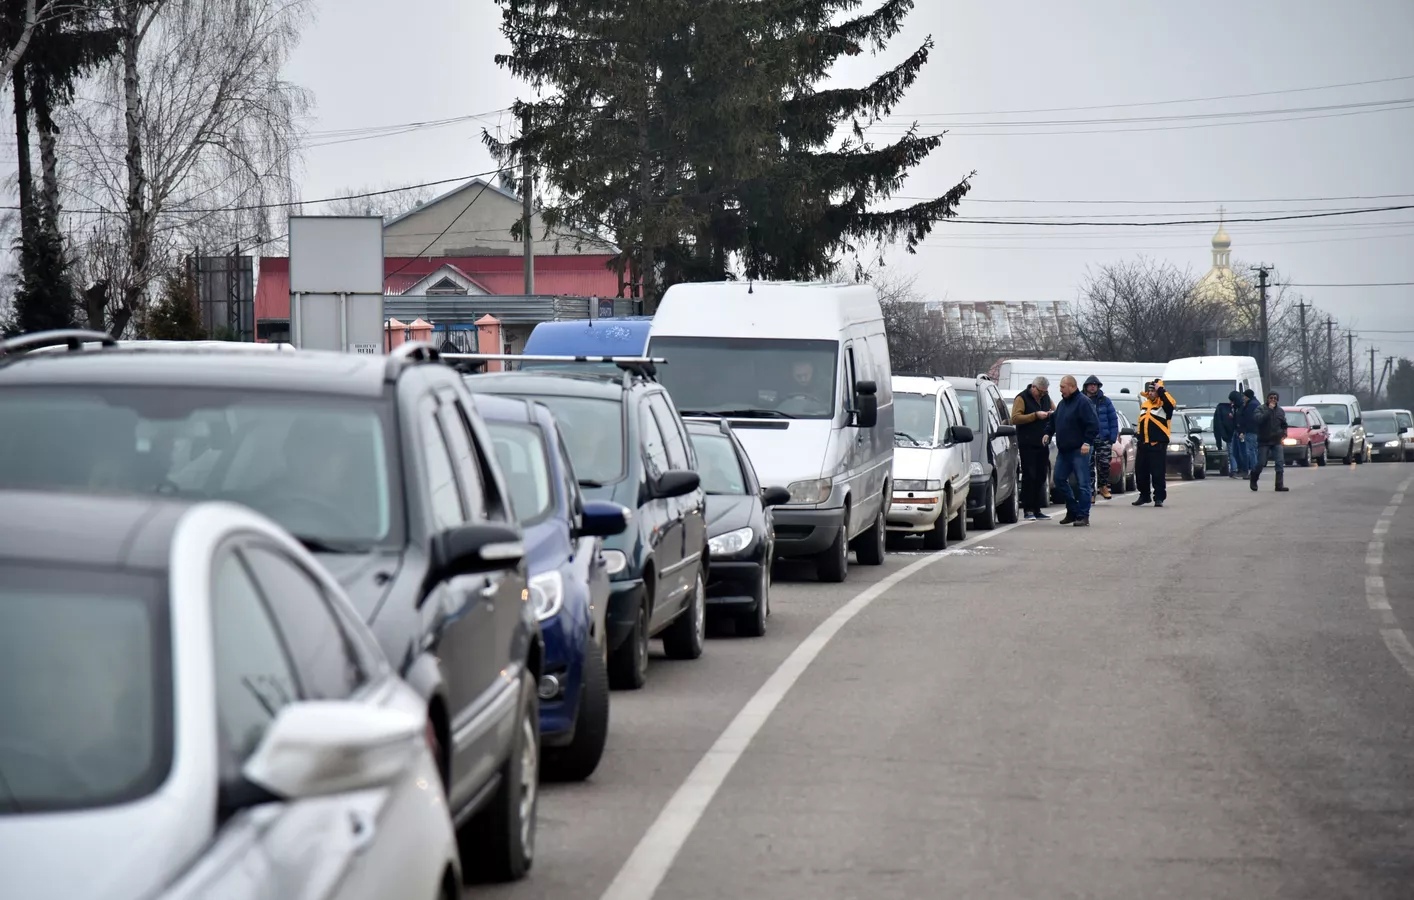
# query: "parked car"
[1385,436]
[1218,459]
[932,474]
[802,372]
[741,535]
[1307,437]
[1186,453]
[628,446]
[569,580]
[995,489]
[1124,456]
[379,466]
[606,337]
[192,709]
[1406,426]
[1341,413]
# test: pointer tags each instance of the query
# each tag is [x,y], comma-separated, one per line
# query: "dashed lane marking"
[651,860]
[1375,592]
[1398,643]
[1395,638]
[1375,555]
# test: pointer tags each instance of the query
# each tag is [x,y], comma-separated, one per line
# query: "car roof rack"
[918,375]
[410,354]
[71,338]
[645,367]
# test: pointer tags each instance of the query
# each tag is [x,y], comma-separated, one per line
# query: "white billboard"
[336,283]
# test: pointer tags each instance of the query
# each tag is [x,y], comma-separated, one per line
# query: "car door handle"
[362,829]
[488,592]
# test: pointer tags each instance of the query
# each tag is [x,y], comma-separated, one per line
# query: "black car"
[1186,454]
[628,446]
[380,466]
[996,456]
[740,531]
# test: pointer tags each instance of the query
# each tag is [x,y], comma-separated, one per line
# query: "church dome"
[1221,241]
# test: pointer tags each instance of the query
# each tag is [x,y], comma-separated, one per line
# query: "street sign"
[336,283]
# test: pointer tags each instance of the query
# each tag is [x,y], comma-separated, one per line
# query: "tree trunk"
[138,231]
[24,174]
[645,199]
[48,155]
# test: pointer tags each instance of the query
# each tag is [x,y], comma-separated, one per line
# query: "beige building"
[475,219]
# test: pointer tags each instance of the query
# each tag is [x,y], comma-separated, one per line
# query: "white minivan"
[1202,382]
[802,372]
[932,461]
[1341,413]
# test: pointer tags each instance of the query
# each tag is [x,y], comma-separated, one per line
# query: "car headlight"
[1289,442]
[731,543]
[547,594]
[816,490]
[1393,443]
[615,561]
[914,485]
[1177,448]
[976,468]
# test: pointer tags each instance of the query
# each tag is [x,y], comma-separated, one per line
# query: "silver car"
[191,709]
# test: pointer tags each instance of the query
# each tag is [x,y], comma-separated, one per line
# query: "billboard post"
[336,283]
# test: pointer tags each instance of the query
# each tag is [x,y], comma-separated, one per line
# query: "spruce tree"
[45,298]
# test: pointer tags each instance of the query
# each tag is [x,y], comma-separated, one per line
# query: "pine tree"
[45,298]
[175,316]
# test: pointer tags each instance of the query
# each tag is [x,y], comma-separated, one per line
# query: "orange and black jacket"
[1156,418]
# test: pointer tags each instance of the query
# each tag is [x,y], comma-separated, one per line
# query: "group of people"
[1253,433]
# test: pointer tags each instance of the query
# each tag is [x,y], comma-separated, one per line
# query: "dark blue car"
[568,579]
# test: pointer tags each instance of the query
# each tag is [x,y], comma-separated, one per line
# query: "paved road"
[1197,701]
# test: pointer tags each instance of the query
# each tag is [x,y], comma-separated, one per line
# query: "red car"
[1306,436]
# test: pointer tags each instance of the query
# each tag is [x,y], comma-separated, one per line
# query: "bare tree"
[189,142]
[1143,311]
[387,201]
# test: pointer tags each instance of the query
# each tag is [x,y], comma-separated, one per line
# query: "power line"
[1352,284]
[1178,202]
[423,251]
[1181,117]
[1314,215]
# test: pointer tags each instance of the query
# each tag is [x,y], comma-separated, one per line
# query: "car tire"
[870,550]
[687,636]
[1305,460]
[498,844]
[986,518]
[1010,513]
[578,761]
[628,665]
[957,528]
[1131,481]
[1200,472]
[1322,459]
[752,623]
[832,564]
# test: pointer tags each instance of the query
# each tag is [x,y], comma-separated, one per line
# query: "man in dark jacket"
[1224,430]
[1151,454]
[1271,428]
[1246,426]
[1073,427]
[1029,413]
[1104,441]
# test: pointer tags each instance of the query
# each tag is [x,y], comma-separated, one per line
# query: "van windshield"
[1200,393]
[760,377]
[1333,413]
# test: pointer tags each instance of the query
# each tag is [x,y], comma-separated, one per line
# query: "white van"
[802,372]
[1015,375]
[1341,413]
[1202,382]
[932,461]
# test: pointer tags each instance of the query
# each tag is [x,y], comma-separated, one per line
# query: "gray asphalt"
[1193,701]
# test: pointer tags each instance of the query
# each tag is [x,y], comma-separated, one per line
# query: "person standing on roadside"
[1104,441]
[1271,428]
[1029,412]
[1151,456]
[1074,427]
[1224,431]
[1247,429]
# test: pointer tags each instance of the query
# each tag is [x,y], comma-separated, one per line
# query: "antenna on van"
[751,287]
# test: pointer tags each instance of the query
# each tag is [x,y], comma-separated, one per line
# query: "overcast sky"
[374,63]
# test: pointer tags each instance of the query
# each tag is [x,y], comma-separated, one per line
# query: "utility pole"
[1350,361]
[1305,355]
[527,208]
[1262,272]
[1328,382]
[1373,399]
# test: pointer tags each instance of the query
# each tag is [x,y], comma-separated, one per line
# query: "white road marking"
[1375,592]
[1398,643]
[1375,555]
[1395,638]
[1382,526]
[1390,511]
[651,860]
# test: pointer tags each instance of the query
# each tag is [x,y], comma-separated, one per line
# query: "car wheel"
[1010,512]
[871,551]
[498,844]
[628,665]
[1321,460]
[687,636]
[1187,473]
[987,515]
[1201,472]
[578,761]
[957,528]
[833,564]
[753,622]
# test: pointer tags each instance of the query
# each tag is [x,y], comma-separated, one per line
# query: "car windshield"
[317,465]
[1296,418]
[760,377]
[1204,394]
[1377,423]
[968,401]
[524,458]
[85,690]
[1127,406]
[1179,425]
[915,419]
[1405,419]
[594,436]
[1333,413]
[717,464]
[1201,421]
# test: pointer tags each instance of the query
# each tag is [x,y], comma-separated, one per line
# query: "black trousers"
[1035,465]
[1150,469]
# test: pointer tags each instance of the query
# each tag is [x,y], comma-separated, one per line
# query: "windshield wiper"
[590,483]
[698,412]
[906,436]
[750,414]
[322,545]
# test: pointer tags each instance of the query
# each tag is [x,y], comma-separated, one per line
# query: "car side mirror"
[775,496]
[960,434]
[600,518]
[1127,432]
[476,549]
[1358,421]
[320,747]
[866,404]
[675,483]
[1006,430]
[1199,430]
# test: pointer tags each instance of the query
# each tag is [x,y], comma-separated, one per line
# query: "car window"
[468,466]
[719,466]
[1334,413]
[325,659]
[671,427]
[254,677]
[970,412]
[1380,423]
[593,433]
[442,490]
[521,451]
[655,452]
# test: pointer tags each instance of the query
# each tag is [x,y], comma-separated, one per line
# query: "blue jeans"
[1251,444]
[1073,462]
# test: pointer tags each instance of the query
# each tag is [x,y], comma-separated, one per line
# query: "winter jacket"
[1156,418]
[1271,425]
[1247,415]
[1073,423]
[1223,422]
[1108,418]
[1029,429]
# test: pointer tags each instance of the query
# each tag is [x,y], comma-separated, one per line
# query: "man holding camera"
[1151,456]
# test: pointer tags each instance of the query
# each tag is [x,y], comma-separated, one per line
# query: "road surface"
[1205,700]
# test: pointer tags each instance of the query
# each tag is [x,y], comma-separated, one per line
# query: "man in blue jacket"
[1247,429]
[1074,427]
[1104,441]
